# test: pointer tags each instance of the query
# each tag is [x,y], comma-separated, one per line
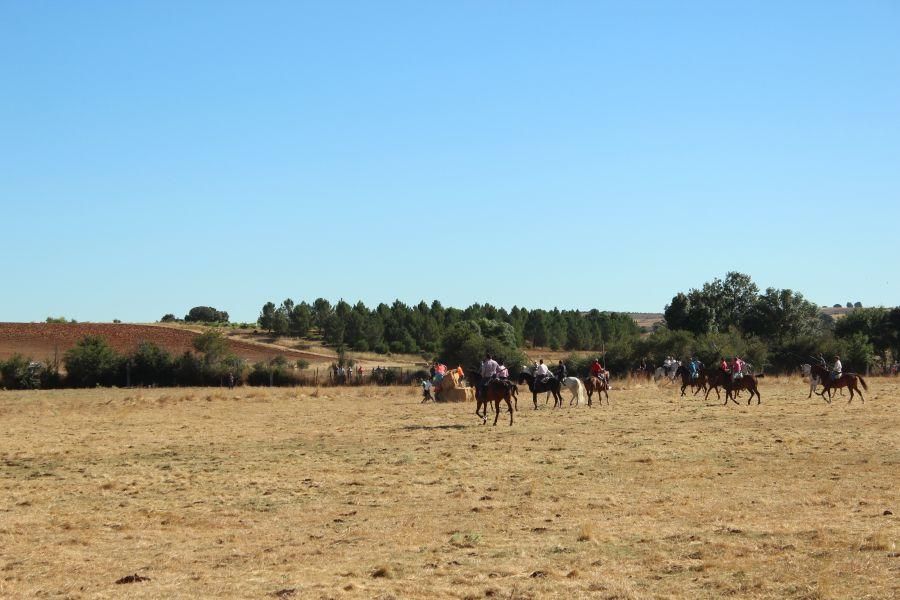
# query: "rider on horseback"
[488,371]
[694,367]
[502,371]
[541,373]
[837,369]
[561,371]
[598,371]
[737,368]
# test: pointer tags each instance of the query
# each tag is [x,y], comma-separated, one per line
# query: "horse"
[746,382]
[595,384]
[687,380]
[574,385]
[847,380]
[667,372]
[814,382]
[713,381]
[550,385]
[643,371]
[475,378]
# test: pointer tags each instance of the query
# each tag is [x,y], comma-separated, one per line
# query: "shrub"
[93,362]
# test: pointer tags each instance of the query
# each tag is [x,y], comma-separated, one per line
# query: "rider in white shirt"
[837,369]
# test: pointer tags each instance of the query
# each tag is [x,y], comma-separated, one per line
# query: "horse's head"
[523,376]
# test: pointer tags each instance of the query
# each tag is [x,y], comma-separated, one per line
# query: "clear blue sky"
[160,155]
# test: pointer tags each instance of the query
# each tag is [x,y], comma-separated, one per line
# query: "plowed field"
[42,340]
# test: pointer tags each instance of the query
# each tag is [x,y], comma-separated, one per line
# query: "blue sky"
[159,155]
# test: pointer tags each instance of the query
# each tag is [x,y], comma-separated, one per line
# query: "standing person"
[230,380]
[426,391]
[561,371]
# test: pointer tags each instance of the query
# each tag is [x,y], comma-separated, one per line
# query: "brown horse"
[595,384]
[496,390]
[746,382]
[847,380]
[686,380]
[713,381]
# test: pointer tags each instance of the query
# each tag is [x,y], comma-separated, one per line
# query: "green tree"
[206,314]
[92,362]
[151,365]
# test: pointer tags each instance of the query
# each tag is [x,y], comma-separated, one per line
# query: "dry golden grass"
[365,493]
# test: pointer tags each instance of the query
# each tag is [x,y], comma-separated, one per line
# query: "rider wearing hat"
[837,369]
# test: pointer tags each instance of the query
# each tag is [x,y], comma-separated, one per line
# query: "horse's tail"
[863,382]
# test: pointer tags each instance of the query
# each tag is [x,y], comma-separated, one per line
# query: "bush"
[168,318]
[152,365]
[20,373]
[93,362]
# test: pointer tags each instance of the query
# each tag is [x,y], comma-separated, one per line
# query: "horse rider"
[737,367]
[561,371]
[723,365]
[502,371]
[837,369]
[541,372]
[488,371]
[694,368]
[599,372]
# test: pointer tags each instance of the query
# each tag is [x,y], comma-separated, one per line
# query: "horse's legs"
[509,406]
[607,396]
[496,410]
[534,397]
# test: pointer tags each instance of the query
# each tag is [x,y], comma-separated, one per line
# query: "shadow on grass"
[432,427]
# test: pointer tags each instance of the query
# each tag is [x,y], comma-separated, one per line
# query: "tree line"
[776,330]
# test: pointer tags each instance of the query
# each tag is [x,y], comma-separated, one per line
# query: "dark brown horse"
[550,385]
[745,382]
[847,380]
[595,384]
[687,380]
[495,391]
[713,380]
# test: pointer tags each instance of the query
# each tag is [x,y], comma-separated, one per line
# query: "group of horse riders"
[491,369]
[735,368]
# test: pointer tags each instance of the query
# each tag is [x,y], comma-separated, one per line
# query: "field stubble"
[365,493]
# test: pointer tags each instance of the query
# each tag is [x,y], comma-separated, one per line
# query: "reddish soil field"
[40,341]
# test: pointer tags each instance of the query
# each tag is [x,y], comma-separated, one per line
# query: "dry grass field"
[365,493]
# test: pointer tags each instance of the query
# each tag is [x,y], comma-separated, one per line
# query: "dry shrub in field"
[586,534]
[382,572]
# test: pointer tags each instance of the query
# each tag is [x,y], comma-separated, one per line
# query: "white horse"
[576,386]
[667,371]
[814,382]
